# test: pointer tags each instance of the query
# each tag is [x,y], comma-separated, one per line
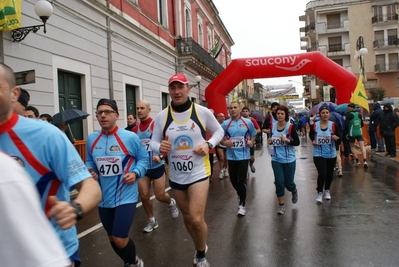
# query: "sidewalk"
[382,155]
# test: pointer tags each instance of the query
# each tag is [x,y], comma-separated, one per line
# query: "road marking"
[98,226]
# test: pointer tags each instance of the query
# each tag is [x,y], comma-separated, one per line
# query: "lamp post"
[43,10]
[361,51]
[198,79]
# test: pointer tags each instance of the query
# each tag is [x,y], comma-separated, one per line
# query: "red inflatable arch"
[312,63]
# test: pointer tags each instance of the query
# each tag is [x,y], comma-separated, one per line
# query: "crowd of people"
[178,145]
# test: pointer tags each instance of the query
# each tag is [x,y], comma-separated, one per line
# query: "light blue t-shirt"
[50,159]
[239,132]
[111,156]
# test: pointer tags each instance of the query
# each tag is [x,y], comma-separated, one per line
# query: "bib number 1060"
[183,166]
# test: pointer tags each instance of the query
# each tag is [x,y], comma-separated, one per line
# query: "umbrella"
[257,115]
[343,108]
[315,108]
[69,116]
[303,112]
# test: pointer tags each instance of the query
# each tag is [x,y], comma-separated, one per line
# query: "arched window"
[200,36]
[188,24]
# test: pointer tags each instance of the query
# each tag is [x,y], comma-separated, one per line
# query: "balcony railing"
[188,47]
[391,40]
[390,67]
[334,25]
[310,27]
[253,97]
[335,47]
[384,18]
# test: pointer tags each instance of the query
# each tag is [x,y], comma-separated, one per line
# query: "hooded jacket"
[375,117]
[337,118]
[389,121]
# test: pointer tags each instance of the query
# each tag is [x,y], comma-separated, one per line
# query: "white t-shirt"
[26,235]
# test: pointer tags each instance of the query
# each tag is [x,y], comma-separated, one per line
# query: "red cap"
[178,77]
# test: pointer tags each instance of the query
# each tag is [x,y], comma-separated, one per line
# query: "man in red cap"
[180,131]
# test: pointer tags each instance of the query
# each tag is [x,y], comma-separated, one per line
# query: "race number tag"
[109,165]
[146,144]
[182,163]
[276,140]
[238,142]
[323,139]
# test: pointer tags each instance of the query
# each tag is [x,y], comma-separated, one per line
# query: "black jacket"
[389,121]
[375,117]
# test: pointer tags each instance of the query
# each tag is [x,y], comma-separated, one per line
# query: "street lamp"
[361,51]
[43,10]
[198,79]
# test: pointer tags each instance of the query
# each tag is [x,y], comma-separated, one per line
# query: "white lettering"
[271,61]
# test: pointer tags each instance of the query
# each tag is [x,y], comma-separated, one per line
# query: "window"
[209,42]
[200,36]
[378,17]
[165,100]
[378,38]
[335,44]
[391,15]
[333,21]
[393,61]
[392,37]
[162,13]
[380,63]
[188,24]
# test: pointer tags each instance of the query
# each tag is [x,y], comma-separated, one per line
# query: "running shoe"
[340,172]
[226,173]
[203,263]
[253,168]
[174,211]
[151,225]
[281,210]
[365,165]
[319,198]
[139,263]
[195,261]
[248,176]
[295,196]
[327,195]
[241,211]
[221,174]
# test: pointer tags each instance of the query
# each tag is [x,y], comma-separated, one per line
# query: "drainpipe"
[109,48]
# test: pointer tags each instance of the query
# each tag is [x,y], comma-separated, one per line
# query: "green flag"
[215,48]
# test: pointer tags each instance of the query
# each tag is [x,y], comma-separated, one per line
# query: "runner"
[221,153]
[239,137]
[51,161]
[270,119]
[282,140]
[324,134]
[180,131]
[156,169]
[245,114]
[117,159]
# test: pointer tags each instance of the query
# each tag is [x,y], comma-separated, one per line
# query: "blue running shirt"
[111,156]
[239,131]
[51,161]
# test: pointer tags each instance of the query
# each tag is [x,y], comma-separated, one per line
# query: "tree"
[377,94]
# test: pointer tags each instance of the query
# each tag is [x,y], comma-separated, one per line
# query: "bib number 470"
[107,169]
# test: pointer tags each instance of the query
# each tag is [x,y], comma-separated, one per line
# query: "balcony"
[382,67]
[332,27]
[384,18]
[310,27]
[242,94]
[390,41]
[194,56]
[253,97]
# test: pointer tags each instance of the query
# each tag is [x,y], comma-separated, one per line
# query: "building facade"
[335,27]
[120,49]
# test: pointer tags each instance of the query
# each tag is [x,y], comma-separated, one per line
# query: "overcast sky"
[263,28]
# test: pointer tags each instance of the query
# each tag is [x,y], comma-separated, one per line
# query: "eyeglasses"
[106,112]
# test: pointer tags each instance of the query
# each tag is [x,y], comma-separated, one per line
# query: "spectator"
[46,117]
[31,112]
[375,120]
[131,122]
[20,106]
[389,121]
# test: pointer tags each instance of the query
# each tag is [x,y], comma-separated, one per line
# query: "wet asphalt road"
[359,226]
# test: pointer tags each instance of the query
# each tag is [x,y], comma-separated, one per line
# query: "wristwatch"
[210,145]
[137,175]
[78,210]
[161,156]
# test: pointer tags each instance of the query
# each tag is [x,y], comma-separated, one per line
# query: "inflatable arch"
[312,63]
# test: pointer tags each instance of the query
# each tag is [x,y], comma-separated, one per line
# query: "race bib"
[109,165]
[238,142]
[276,140]
[146,144]
[323,139]
[181,163]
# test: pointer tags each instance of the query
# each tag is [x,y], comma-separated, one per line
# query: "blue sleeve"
[89,157]
[140,155]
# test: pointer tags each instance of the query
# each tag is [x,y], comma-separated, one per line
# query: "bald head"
[143,110]
[9,93]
